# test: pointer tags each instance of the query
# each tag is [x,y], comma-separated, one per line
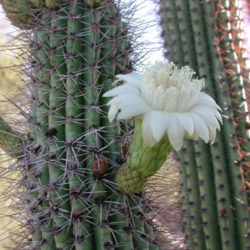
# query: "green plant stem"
[202,151]
[115,61]
[31,184]
[93,122]
[194,200]
[42,106]
[185,200]
[233,71]
[58,181]
[74,128]
[171,31]
[231,144]
[221,179]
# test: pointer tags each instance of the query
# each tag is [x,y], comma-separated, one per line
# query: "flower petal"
[122,90]
[124,99]
[186,122]
[158,124]
[132,109]
[132,78]
[112,112]
[175,133]
[147,134]
[208,113]
[201,128]
[203,98]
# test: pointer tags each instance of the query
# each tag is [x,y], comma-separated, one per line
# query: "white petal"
[122,90]
[208,113]
[201,129]
[132,78]
[112,112]
[175,132]
[203,98]
[186,122]
[218,116]
[124,99]
[212,135]
[186,99]
[133,109]
[147,134]
[158,124]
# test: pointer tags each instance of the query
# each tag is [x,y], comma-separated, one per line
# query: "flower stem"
[142,162]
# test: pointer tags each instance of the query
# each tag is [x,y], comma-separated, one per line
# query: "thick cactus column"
[76,50]
[195,26]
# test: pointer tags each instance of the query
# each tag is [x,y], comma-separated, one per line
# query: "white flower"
[169,102]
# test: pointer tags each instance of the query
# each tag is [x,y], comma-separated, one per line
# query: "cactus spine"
[72,152]
[193,36]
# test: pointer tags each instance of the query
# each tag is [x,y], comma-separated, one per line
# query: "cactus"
[198,34]
[133,175]
[20,13]
[72,152]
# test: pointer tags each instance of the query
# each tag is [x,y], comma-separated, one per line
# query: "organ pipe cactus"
[202,34]
[70,156]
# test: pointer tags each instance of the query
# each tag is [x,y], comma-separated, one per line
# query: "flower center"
[170,89]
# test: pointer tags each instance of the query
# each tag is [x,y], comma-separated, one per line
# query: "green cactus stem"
[115,61]
[233,156]
[133,175]
[96,3]
[228,45]
[76,48]
[41,98]
[216,165]
[202,152]
[19,12]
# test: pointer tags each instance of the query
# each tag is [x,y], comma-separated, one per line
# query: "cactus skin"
[73,152]
[19,12]
[196,34]
[142,162]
